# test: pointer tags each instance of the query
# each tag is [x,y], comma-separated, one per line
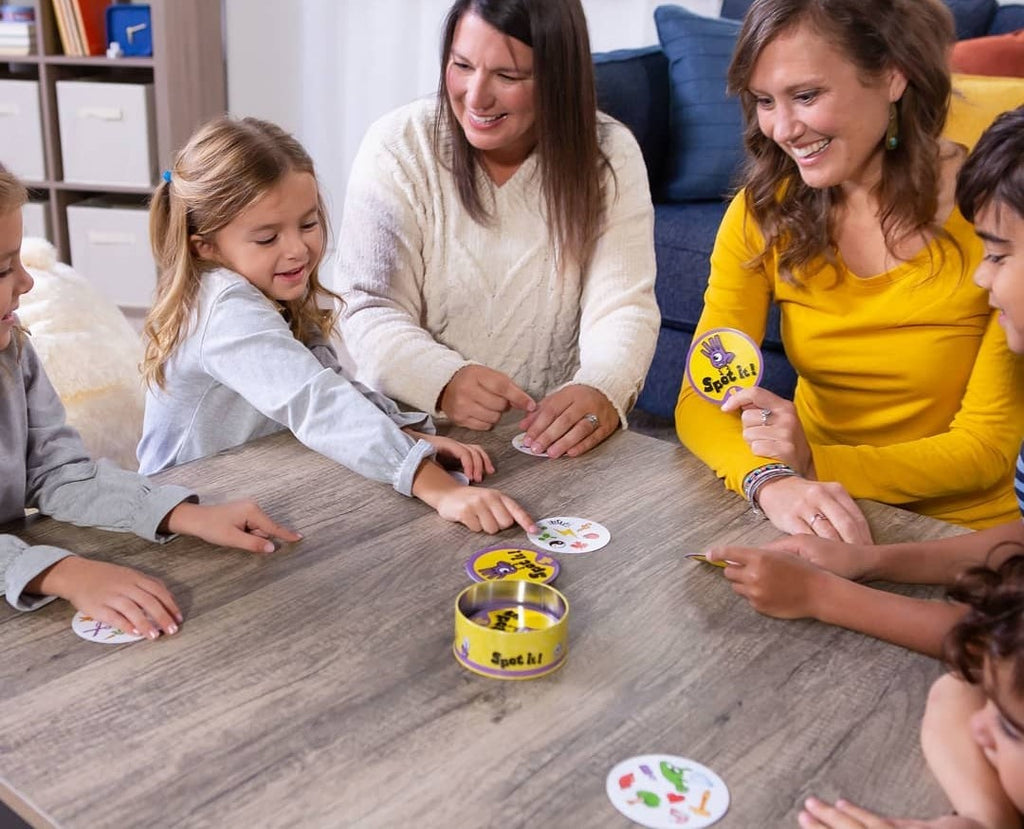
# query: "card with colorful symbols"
[568,534]
[96,631]
[663,791]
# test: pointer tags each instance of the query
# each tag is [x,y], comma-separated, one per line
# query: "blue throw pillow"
[706,125]
[972,17]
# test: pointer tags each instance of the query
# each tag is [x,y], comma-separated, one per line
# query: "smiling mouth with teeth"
[811,149]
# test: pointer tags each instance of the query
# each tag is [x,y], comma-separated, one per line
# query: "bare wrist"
[54,579]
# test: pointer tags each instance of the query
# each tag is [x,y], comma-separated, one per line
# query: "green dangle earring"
[892,130]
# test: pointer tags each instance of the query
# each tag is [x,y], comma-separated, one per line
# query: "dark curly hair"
[993,628]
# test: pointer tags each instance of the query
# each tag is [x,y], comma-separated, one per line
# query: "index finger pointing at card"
[516,397]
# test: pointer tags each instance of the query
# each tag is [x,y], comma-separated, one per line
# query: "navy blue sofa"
[635,86]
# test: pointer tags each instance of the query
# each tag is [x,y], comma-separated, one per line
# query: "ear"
[203,248]
[897,84]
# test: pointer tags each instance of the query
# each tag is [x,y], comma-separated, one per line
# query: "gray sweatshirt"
[240,374]
[43,464]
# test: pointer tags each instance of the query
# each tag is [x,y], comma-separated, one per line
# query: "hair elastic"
[167,176]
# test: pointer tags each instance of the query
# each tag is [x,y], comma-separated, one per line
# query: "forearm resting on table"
[917,624]
[943,560]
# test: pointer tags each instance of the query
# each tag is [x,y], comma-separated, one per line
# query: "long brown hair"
[570,158]
[912,36]
[12,196]
[226,166]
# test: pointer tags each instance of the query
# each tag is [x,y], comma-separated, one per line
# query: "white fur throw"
[90,351]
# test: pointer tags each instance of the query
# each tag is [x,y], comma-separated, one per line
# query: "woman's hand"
[475,462]
[818,814]
[851,561]
[772,429]
[118,596]
[240,524]
[570,421]
[477,396]
[796,505]
[776,583]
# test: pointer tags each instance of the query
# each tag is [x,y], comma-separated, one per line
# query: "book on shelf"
[63,28]
[91,21]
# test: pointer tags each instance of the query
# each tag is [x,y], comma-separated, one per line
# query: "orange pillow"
[992,55]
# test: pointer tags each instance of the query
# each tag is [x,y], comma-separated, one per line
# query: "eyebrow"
[811,83]
[991,237]
[508,70]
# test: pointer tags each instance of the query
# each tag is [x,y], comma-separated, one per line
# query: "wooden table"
[317,686]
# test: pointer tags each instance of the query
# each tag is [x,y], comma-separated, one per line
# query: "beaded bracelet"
[757,478]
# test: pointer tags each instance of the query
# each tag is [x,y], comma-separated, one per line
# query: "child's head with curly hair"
[986,648]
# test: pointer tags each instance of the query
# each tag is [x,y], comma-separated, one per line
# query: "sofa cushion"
[973,18]
[1001,55]
[1007,19]
[975,103]
[706,124]
[632,86]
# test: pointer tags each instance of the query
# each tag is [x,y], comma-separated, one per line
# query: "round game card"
[512,564]
[663,791]
[721,362]
[97,631]
[565,534]
[517,442]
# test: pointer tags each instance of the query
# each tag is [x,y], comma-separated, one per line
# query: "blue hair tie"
[167,176]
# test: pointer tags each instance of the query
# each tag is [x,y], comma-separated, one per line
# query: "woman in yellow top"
[907,393]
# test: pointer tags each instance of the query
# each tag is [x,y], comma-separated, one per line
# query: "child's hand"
[775,583]
[851,561]
[120,596]
[844,815]
[240,524]
[475,462]
[482,509]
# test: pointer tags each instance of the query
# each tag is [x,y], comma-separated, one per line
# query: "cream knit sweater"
[428,290]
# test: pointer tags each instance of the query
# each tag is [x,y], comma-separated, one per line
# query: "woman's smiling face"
[490,83]
[815,104]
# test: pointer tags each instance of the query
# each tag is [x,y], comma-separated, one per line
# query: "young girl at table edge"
[238,337]
[805,575]
[46,466]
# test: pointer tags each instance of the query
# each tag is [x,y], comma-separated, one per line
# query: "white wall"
[327,68]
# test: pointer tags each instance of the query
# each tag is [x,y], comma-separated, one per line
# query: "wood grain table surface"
[317,686]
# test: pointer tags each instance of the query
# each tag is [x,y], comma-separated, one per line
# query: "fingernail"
[153,634]
[172,629]
[136,631]
[268,547]
[179,617]
[300,535]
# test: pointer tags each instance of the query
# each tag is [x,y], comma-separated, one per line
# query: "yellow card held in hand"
[721,362]
[706,560]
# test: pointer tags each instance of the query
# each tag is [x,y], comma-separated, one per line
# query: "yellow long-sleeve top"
[907,391]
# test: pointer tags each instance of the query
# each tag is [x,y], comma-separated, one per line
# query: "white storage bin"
[110,247]
[107,132]
[21,129]
[35,217]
